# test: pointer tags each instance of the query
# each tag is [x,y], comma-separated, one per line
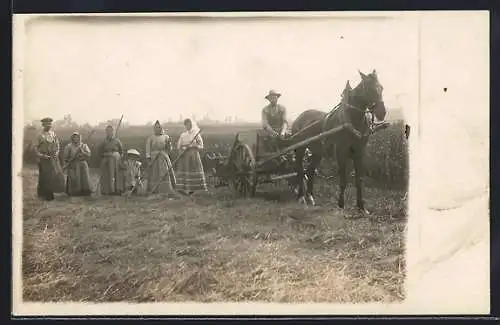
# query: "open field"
[213,247]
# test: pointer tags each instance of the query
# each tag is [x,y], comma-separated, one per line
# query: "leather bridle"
[368,109]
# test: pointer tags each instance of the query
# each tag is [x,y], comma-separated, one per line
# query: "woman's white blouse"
[186,138]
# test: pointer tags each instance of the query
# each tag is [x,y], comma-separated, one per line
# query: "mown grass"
[212,247]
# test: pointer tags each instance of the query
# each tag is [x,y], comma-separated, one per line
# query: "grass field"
[213,247]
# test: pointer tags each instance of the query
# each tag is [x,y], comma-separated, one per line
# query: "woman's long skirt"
[78,181]
[159,177]
[50,178]
[190,174]
[112,175]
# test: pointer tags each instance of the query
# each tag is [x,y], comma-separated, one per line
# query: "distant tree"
[32,124]
[102,125]
[87,126]
[65,123]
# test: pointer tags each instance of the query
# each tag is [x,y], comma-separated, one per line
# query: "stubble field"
[213,247]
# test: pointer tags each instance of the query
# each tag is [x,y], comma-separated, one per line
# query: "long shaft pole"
[301,144]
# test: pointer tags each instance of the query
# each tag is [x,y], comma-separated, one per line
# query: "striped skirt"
[190,175]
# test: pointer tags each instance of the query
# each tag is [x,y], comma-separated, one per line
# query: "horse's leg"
[358,162]
[341,155]
[311,173]
[299,169]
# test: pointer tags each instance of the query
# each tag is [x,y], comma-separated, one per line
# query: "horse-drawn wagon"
[252,161]
[343,131]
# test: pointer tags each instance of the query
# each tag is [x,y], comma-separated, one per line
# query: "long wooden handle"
[303,143]
[118,127]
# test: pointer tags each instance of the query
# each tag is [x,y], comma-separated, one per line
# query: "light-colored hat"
[75,133]
[133,152]
[272,92]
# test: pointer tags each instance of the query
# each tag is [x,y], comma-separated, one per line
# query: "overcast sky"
[159,68]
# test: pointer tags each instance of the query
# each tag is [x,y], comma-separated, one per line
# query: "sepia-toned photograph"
[213,158]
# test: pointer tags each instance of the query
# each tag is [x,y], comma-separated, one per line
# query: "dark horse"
[349,143]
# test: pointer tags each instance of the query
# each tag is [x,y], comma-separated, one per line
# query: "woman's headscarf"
[157,125]
[194,125]
[110,127]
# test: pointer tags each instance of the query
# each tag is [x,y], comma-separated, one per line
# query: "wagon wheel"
[244,178]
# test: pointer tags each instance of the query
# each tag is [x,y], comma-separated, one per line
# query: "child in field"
[132,168]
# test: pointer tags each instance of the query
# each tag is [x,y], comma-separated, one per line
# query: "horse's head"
[369,95]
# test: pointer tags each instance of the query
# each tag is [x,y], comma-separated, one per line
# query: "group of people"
[120,171]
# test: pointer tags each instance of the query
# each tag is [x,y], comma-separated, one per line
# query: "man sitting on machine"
[274,122]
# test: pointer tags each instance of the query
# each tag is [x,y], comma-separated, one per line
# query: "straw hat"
[271,93]
[133,152]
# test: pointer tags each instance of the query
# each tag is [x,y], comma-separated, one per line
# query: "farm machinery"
[249,163]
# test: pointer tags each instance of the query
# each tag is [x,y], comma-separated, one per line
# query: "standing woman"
[110,151]
[76,154]
[50,175]
[190,173]
[160,173]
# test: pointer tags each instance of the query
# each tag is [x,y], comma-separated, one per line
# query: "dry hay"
[213,247]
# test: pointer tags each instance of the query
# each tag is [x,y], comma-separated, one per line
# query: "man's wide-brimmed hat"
[272,93]
[133,152]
